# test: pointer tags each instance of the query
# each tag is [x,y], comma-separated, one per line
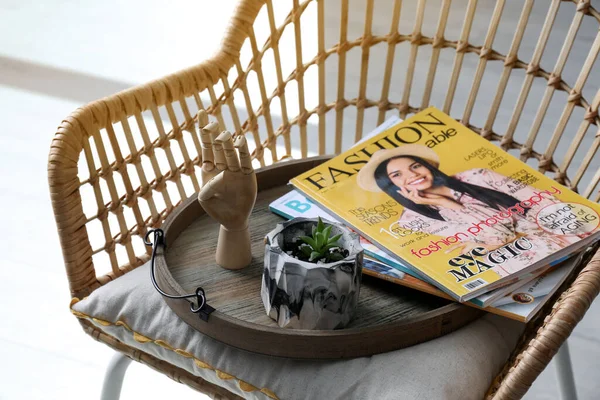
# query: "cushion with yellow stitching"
[460,365]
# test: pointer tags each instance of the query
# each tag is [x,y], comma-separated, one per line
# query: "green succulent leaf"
[314,230]
[327,231]
[315,255]
[321,240]
[334,239]
[336,257]
[309,241]
[306,250]
[320,225]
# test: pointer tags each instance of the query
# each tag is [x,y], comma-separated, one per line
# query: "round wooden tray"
[388,316]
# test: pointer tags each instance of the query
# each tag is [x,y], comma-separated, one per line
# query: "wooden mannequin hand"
[228,194]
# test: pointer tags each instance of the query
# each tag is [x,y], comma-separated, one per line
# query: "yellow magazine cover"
[452,205]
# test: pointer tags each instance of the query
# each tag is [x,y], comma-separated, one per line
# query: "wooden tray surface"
[388,316]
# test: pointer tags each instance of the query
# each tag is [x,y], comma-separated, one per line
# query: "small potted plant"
[312,274]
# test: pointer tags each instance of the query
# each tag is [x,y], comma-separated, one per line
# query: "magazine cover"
[452,205]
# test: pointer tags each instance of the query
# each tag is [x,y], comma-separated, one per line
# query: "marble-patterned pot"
[306,295]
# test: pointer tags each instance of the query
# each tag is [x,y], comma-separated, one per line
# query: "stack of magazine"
[444,211]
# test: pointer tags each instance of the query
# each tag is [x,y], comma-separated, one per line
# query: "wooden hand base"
[233,248]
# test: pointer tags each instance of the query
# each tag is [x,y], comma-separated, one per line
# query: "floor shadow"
[56,82]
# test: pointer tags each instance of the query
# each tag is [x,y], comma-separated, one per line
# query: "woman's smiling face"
[410,174]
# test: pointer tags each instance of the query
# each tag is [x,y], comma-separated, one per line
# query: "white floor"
[54,57]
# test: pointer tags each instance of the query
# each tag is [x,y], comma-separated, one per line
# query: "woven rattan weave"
[119,166]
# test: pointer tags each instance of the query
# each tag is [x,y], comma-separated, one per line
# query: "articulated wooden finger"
[231,157]
[242,145]
[206,133]
[202,119]
[220,161]
[211,188]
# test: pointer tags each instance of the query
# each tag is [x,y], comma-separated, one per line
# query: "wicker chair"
[119,166]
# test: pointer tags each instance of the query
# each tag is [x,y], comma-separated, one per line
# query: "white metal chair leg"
[564,371]
[113,379]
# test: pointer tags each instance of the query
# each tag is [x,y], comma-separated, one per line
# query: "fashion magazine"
[452,206]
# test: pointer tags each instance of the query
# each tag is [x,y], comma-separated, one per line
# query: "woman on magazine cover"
[445,205]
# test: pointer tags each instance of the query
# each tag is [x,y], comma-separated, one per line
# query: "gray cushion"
[460,365]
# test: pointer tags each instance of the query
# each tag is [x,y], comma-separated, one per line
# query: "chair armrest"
[81,133]
[555,328]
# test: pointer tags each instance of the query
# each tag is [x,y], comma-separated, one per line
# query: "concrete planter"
[305,295]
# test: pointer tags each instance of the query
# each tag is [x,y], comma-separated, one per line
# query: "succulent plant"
[319,246]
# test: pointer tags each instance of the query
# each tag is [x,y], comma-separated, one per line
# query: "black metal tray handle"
[201,307]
